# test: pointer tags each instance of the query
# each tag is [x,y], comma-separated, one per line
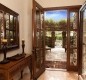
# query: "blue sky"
[56,15]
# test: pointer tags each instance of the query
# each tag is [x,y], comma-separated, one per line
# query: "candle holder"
[4,49]
[23,46]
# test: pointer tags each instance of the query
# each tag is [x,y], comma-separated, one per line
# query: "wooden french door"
[73,39]
[82,47]
[38,40]
[72,36]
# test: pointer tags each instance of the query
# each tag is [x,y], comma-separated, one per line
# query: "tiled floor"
[56,54]
[52,74]
[56,58]
[55,64]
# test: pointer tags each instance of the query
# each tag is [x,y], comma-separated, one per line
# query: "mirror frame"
[15,30]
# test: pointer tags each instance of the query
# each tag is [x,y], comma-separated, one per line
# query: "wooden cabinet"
[7,71]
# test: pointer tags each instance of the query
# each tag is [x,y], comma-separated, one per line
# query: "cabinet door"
[38,40]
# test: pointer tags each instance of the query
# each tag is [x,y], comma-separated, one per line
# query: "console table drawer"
[14,70]
[23,64]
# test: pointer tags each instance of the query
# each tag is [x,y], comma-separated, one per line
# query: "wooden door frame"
[80,44]
[74,68]
[42,69]
[68,8]
[81,38]
[62,8]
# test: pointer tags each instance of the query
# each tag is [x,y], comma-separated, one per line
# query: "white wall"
[28,25]
[17,6]
[58,3]
[24,8]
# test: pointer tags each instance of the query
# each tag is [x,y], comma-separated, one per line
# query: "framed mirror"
[9,28]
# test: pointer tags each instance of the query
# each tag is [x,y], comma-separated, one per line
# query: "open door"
[82,45]
[38,40]
[73,39]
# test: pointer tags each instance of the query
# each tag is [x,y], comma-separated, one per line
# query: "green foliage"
[52,23]
[62,23]
[58,36]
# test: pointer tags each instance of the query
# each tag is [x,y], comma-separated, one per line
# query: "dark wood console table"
[7,71]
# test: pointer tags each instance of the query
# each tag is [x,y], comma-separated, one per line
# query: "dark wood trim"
[80,43]
[39,6]
[81,40]
[78,37]
[83,6]
[68,40]
[63,8]
[73,68]
[10,48]
[41,68]
[8,10]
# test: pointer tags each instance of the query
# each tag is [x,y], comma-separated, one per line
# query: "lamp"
[4,49]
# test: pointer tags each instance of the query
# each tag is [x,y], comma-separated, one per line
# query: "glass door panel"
[73,39]
[84,43]
[73,20]
[73,57]
[38,42]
